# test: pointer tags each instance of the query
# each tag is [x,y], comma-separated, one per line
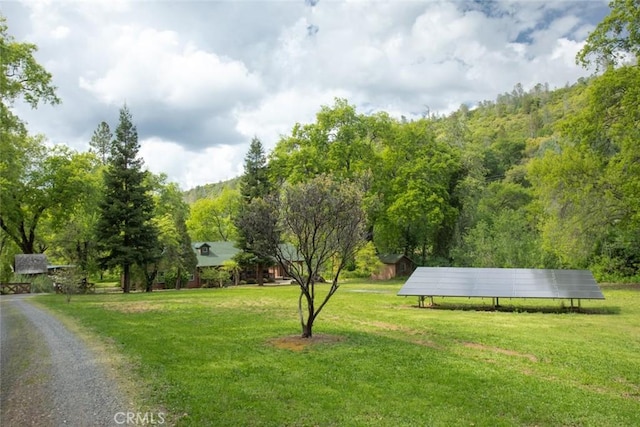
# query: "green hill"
[209,191]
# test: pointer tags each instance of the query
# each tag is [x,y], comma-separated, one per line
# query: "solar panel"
[501,283]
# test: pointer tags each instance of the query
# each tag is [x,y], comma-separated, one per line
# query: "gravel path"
[48,376]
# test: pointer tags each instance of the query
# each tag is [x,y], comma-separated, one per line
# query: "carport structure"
[496,283]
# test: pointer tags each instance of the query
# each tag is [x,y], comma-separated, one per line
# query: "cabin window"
[204,250]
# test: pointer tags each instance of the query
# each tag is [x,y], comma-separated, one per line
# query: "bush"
[40,284]
[367,262]
[355,274]
[437,262]
[614,270]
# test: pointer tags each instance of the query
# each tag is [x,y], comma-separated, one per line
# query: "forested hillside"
[209,190]
[536,178]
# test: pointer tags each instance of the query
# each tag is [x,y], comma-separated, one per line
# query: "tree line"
[535,178]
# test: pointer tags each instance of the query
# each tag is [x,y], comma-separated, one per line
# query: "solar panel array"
[501,283]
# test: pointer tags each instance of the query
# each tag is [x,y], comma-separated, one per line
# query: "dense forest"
[538,177]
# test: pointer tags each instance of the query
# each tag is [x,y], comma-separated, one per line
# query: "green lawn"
[221,357]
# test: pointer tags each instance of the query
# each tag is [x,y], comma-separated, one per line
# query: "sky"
[202,78]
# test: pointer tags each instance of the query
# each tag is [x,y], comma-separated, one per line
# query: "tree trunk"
[259,276]
[82,254]
[307,330]
[307,327]
[126,285]
[300,311]
[150,277]
[27,243]
[178,279]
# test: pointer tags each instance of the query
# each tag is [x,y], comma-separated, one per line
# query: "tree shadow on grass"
[621,286]
[298,343]
[561,309]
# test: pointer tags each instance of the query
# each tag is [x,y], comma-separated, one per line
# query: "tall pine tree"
[254,184]
[126,234]
[101,142]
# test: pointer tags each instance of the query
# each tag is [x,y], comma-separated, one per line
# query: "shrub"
[40,284]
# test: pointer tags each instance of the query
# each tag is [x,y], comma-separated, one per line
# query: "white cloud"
[188,168]
[152,66]
[60,32]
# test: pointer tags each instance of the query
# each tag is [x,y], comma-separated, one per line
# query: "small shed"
[394,265]
[30,264]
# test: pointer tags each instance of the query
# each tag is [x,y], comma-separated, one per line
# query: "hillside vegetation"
[537,178]
[209,191]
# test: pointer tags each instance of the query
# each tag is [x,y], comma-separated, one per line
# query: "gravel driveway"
[48,376]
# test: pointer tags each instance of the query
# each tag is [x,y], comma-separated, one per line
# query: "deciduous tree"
[38,186]
[212,219]
[415,183]
[20,77]
[340,143]
[589,185]
[367,261]
[314,228]
[178,258]
[26,176]
[72,235]
[615,37]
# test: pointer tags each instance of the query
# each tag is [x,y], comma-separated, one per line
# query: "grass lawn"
[219,357]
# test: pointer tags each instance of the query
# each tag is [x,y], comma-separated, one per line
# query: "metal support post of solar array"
[496,283]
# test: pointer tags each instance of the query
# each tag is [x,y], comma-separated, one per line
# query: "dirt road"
[49,377]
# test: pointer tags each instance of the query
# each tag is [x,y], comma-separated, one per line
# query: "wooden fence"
[15,288]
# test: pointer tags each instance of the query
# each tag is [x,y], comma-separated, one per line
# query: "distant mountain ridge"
[209,190]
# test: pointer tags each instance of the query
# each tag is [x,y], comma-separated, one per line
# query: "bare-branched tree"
[312,230]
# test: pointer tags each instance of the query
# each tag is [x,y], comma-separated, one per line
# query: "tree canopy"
[617,36]
[20,77]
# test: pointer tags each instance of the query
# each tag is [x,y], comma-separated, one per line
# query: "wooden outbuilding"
[30,264]
[394,265]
